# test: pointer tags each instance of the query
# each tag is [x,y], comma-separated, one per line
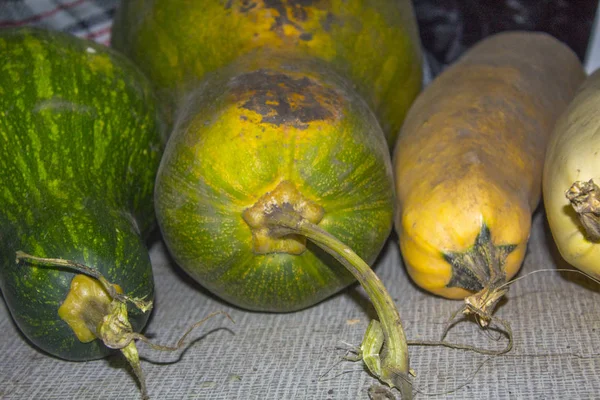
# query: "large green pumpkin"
[374,43]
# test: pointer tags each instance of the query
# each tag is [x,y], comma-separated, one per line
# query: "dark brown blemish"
[282,100]
[298,11]
[247,5]
[328,21]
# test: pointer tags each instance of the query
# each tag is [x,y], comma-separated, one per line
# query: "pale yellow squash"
[571,175]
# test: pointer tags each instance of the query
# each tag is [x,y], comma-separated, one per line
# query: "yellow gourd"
[468,164]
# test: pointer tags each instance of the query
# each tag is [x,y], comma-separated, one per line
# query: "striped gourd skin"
[79,148]
[241,134]
[372,42]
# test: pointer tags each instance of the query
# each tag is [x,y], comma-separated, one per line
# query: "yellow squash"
[468,164]
[571,175]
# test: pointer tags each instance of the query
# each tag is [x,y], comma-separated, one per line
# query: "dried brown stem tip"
[585,200]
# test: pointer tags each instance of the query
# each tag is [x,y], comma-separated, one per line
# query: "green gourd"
[80,145]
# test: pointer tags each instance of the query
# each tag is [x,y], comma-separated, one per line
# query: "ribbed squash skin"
[572,156]
[470,156]
[79,149]
[248,128]
[374,43]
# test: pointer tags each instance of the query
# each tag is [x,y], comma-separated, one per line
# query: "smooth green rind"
[221,158]
[374,43]
[79,148]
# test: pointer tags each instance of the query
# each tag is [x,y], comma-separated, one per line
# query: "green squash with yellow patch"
[373,43]
[276,184]
[275,191]
[262,132]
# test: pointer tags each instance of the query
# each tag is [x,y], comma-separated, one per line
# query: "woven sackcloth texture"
[555,318]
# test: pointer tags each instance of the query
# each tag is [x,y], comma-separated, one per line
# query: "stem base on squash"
[281,213]
[285,195]
[96,309]
[585,200]
[481,269]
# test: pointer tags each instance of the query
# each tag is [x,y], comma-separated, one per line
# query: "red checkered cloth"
[91,19]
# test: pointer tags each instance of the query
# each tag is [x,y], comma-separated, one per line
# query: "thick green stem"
[395,360]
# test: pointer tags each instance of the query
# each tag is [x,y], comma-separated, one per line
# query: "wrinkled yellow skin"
[573,155]
[471,153]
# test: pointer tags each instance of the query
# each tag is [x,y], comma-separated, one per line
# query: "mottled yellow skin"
[471,153]
[572,155]
[373,42]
